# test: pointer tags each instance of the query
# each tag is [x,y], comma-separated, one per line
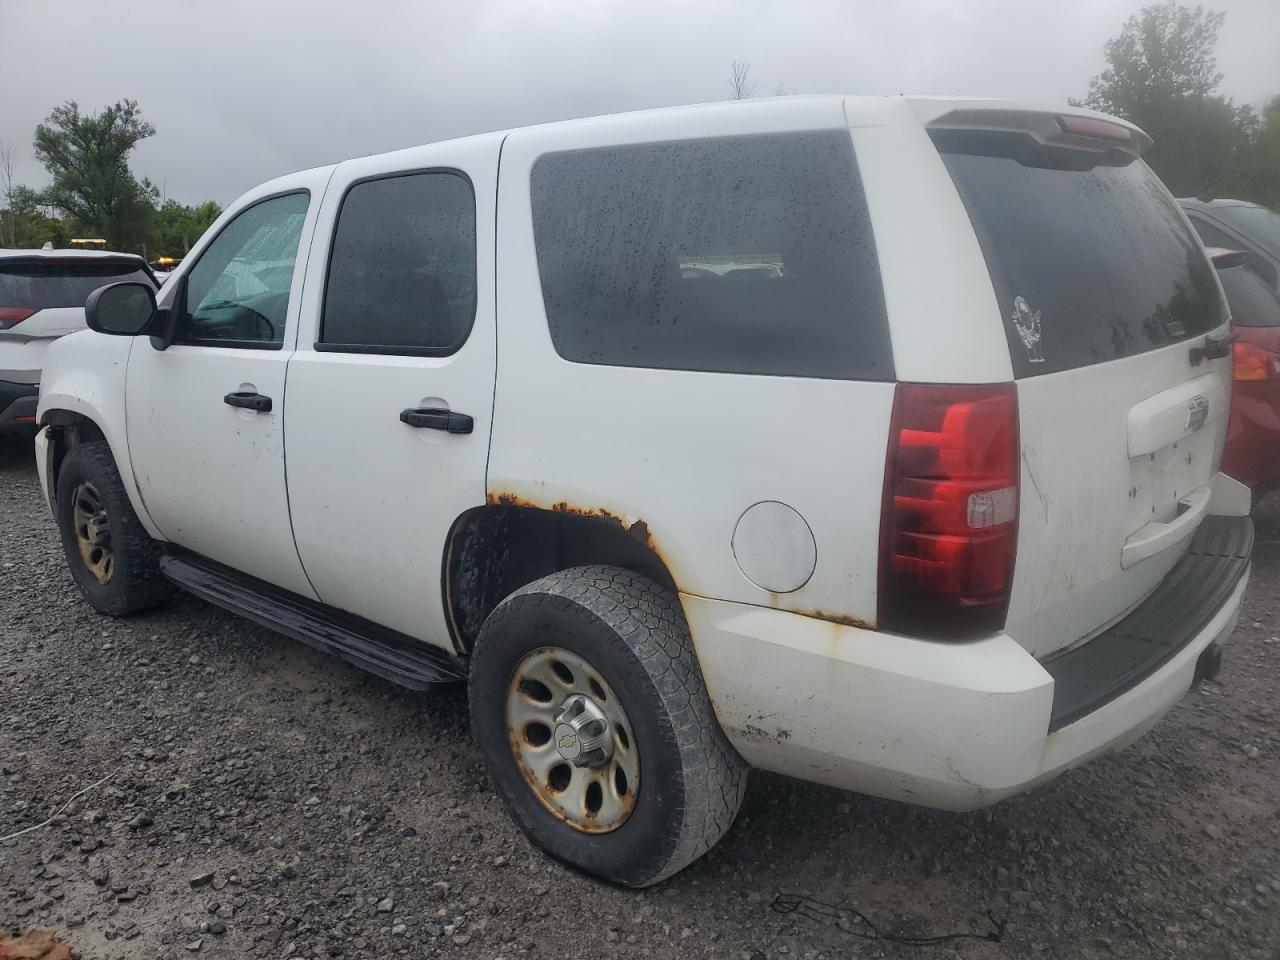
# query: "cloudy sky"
[243,90]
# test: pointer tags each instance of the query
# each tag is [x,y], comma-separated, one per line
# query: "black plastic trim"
[22,407]
[363,643]
[1117,660]
[11,392]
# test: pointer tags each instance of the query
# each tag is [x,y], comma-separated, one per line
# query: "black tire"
[634,633]
[135,582]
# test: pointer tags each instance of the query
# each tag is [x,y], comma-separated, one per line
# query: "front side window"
[238,292]
[402,273]
[734,255]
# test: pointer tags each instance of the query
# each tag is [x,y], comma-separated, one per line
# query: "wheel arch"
[68,422]
[496,549]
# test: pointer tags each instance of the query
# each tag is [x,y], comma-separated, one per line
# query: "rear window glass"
[1252,302]
[1089,255]
[43,285]
[739,254]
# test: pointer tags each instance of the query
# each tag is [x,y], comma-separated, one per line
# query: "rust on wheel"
[93,534]
[572,740]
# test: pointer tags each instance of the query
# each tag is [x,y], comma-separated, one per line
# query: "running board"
[391,655]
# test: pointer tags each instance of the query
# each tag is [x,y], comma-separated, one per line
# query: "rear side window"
[1089,255]
[1252,302]
[46,284]
[402,273]
[740,255]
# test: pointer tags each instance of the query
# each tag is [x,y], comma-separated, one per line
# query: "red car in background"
[1252,453]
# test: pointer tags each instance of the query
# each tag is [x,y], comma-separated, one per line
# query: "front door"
[390,392]
[205,415]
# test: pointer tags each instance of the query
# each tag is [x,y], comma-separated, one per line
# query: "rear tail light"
[12,316]
[1251,362]
[948,531]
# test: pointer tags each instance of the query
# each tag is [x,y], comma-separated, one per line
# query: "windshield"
[1257,223]
[47,284]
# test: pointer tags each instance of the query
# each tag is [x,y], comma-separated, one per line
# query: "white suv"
[870,441]
[42,294]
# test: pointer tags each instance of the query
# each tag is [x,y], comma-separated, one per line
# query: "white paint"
[774,547]
[950,725]
[85,374]
[1230,497]
[365,508]
[1161,420]
[212,475]
[373,499]
[685,451]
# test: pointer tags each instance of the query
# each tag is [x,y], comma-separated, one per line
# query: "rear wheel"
[114,562]
[596,728]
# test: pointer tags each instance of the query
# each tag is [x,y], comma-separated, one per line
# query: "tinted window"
[1211,236]
[1252,302]
[743,255]
[45,284]
[1257,222]
[1089,255]
[402,273]
[239,289]
[1215,237]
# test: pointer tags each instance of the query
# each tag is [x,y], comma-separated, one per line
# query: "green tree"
[1162,74]
[177,227]
[87,156]
[1264,160]
[24,224]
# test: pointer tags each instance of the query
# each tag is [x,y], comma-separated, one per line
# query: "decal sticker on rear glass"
[1027,323]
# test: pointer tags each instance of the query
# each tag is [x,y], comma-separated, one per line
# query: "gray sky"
[244,90]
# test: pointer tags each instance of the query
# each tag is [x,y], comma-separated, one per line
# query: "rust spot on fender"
[636,528]
[778,601]
[843,619]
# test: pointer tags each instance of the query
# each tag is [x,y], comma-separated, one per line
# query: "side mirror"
[121,309]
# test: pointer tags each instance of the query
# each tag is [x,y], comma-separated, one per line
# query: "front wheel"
[114,562]
[598,734]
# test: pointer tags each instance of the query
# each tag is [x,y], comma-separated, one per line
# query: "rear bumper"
[18,405]
[954,726]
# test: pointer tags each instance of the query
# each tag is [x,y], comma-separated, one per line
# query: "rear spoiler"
[1225,259]
[1083,130]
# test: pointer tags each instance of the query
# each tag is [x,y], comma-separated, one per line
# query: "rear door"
[390,393]
[1104,291]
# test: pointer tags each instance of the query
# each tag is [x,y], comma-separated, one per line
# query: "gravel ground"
[269,802]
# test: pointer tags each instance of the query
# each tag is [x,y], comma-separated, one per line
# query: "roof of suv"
[929,109]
